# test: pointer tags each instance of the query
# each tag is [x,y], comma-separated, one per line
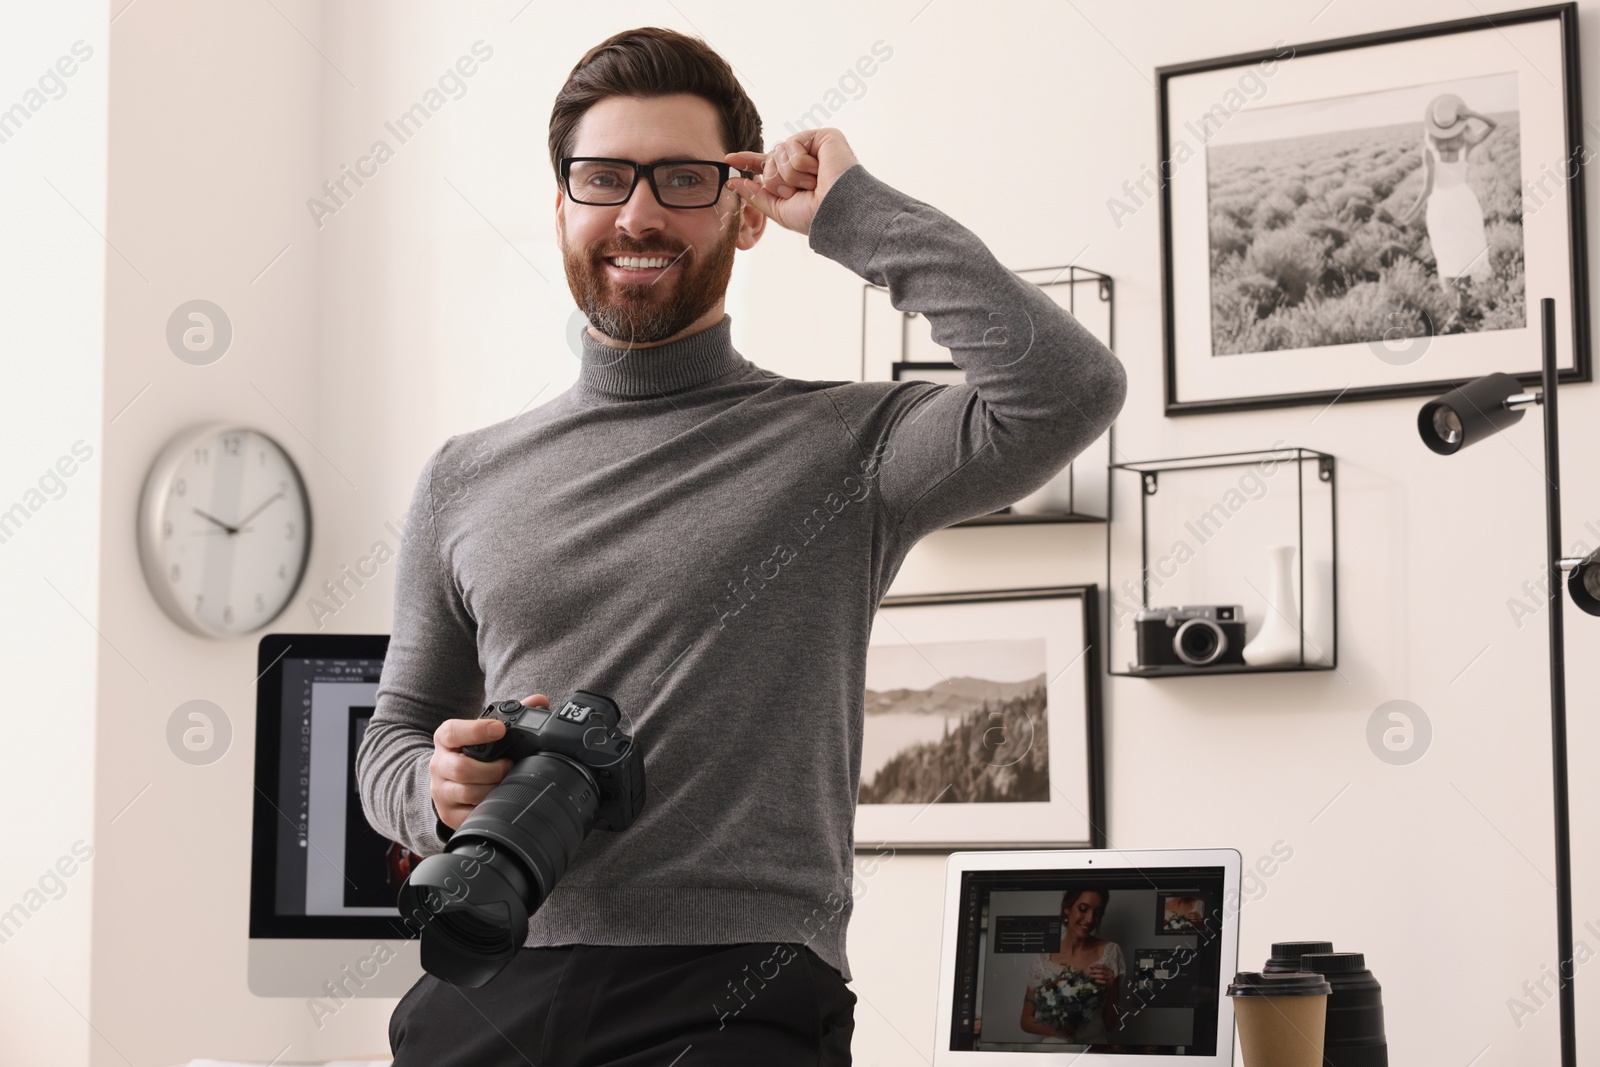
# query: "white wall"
[52,298]
[418,310]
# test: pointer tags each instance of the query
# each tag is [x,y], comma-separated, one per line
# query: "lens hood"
[469,904]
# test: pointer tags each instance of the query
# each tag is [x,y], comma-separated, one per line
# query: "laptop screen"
[1103,960]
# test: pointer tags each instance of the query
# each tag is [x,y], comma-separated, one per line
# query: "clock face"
[225,530]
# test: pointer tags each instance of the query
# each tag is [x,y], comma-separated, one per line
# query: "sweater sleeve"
[1039,387]
[430,674]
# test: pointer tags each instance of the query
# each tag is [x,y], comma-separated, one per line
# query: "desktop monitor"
[323,882]
[1147,976]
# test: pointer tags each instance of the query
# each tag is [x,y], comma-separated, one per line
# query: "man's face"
[647,307]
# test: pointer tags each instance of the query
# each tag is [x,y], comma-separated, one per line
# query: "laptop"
[1085,957]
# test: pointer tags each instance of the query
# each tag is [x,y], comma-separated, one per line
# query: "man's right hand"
[457,782]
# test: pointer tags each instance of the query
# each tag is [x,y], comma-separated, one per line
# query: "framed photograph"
[1373,216]
[940,373]
[982,722]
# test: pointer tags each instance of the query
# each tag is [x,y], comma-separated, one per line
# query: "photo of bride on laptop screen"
[1112,961]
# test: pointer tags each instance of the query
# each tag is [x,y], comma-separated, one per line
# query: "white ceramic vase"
[1278,640]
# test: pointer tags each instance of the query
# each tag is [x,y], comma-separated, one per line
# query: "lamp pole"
[1558,688]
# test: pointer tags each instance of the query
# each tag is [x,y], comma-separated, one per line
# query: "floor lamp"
[1465,416]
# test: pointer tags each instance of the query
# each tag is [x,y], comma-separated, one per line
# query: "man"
[706,542]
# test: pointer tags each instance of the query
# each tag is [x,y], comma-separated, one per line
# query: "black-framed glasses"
[605,182]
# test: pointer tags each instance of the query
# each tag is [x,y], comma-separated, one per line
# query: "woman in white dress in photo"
[1454,217]
[1083,950]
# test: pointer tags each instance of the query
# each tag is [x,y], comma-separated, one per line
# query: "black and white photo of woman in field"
[1367,217]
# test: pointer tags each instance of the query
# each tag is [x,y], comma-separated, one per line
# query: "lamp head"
[1584,583]
[1467,415]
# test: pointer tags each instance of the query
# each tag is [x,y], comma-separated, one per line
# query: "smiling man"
[706,542]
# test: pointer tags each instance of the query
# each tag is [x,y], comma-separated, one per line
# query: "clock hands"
[262,508]
[219,522]
[241,525]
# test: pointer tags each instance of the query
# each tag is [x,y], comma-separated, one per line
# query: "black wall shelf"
[1212,531]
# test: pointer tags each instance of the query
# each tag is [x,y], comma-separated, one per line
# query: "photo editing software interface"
[1113,960]
[330,860]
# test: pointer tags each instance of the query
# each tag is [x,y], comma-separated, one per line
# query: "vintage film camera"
[1210,635]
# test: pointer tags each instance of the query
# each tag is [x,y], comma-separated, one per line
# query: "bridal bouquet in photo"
[1066,1000]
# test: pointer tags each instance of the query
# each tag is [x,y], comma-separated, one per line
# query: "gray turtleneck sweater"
[707,542]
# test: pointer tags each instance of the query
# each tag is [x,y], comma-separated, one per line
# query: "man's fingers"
[462,794]
[459,733]
[746,160]
[790,158]
[458,767]
[764,201]
[533,701]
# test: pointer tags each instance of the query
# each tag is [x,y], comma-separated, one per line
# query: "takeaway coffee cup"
[1354,1035]
[1281,1017]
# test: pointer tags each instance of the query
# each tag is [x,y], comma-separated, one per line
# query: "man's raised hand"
[792,179]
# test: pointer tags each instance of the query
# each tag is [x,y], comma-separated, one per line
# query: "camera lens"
[1199,642]
[471,931]
[474,899]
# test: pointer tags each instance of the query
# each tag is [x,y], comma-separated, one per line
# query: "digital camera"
[1210,635]
[573,770]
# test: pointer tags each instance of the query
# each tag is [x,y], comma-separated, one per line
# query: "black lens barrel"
[474,899]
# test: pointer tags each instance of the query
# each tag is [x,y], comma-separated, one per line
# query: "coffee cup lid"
[1289,984]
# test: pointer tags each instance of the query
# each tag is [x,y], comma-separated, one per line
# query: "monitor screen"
[1104,960]
[319,864]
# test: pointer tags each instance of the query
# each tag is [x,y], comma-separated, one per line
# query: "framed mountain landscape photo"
[1372,216]
[982,722]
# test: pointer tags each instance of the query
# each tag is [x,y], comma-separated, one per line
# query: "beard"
[642,313]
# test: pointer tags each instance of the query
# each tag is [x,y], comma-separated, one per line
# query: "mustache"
[673,253]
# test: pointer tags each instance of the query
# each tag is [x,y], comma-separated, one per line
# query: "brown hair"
[1069,898]
[651,61]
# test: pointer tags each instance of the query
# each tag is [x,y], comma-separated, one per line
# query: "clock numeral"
[283,574]
[166,527]
[227,615]
[288,531]
[283,484]
[259,605]
[175,572]
[180,487]
[202,455]
[197,598]
[230,444]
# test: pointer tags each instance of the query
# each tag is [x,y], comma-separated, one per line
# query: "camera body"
[1208,635]
[583,728]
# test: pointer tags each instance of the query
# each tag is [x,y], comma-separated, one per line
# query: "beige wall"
[418,310]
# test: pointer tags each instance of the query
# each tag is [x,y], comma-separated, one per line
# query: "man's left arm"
[1039,386]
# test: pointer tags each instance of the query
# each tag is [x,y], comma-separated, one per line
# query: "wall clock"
[224,529]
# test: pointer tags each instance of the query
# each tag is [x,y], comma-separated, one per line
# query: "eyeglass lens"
[681,184]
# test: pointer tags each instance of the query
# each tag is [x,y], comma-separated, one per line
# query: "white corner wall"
[433,300]
[52,439]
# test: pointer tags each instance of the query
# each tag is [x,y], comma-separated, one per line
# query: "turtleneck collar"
[614,372]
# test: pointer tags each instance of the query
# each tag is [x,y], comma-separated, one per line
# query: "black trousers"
[778,1005]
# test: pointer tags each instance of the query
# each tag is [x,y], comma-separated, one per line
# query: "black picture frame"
[894,827]
[1182,401]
